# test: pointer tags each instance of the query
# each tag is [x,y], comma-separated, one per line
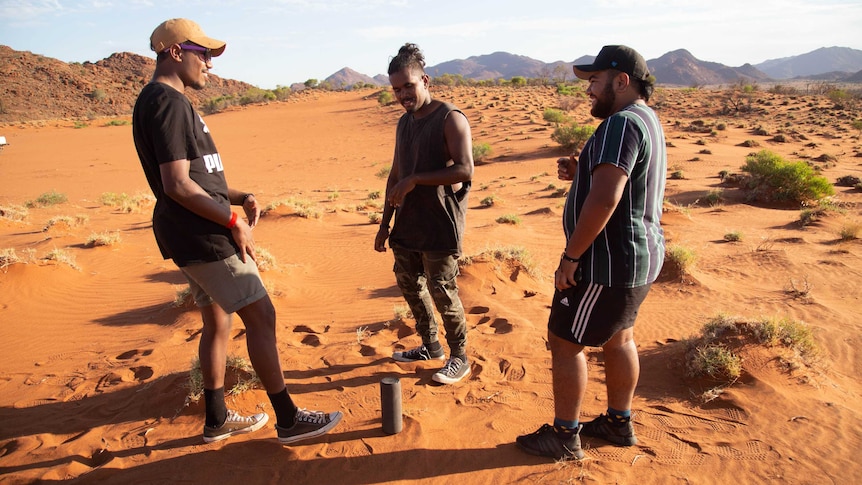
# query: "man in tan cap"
[212,246]
[614,251]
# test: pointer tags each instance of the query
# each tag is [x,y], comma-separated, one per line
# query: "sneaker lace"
[452,366]
[235,417]
[312,417]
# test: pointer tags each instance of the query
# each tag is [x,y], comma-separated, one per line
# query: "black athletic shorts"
[589,314]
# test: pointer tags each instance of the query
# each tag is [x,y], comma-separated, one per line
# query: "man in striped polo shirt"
[614,251]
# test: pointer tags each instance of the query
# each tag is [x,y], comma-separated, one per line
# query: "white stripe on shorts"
[585,309]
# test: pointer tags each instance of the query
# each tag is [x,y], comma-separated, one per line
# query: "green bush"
[385,98]
[256,95]
[555,116]
[48,198]
[572,136]
[773,179]
[481,151]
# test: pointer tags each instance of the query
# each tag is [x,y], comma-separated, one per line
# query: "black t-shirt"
[166,128]
[431,217]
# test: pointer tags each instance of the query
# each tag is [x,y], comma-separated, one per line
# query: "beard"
[605,102]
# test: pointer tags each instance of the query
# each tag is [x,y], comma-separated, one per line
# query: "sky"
[281,42]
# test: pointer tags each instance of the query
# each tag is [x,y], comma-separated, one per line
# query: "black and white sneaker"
[454,370]
[308,425]
[418,354]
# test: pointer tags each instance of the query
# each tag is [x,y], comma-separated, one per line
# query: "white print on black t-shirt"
[206,128]
[213,163]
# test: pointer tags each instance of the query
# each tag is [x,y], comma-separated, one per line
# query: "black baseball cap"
[619,57]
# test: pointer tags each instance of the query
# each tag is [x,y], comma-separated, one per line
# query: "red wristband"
[232,223]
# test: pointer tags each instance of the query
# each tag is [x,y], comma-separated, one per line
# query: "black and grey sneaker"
[545,442]
[308,425]
[604,427]
[454,370]
[235,424]
[417,354]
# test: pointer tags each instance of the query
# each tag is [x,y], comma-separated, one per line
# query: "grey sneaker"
[454,370]
[308,425]
[605,428]
[417,354]
[545,442]
[235,424]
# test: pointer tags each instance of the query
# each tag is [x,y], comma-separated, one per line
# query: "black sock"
[216,410]
[434,347]
[285,410]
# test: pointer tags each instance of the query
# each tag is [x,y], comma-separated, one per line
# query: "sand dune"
[94,359]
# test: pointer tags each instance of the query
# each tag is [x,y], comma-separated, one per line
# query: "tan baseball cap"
[177,31]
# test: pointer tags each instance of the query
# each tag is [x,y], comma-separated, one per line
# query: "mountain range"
[35,87]
[679,67]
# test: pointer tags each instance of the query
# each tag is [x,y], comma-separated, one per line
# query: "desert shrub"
[98,94]
[218,104]
[105,238]
[518,81]
[488,201]
[256,95]
[264,259]
[714,197]
[14,212]
[62,256]
[572,136]
[66,222]
[8,257]
[281,92]
[385,98]
[481,151]
[126,203]
[714,361]
[681,257]
[733,236]
[749,144]
[383,172]
[786,332]
[48,198]
[564,89]
[849,231]
[677,175]
[716,352]
[773,179]
[509,219]
[117,123]
[821,209]
[555,116]
[506,254]
[375,217]
[239,377]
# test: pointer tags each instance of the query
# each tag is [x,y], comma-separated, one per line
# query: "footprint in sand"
[512,373]
[311,340]
[131,354]
[501,326]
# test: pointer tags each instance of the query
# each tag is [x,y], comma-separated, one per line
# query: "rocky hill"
[680,67]
[814,63]
[35,87]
